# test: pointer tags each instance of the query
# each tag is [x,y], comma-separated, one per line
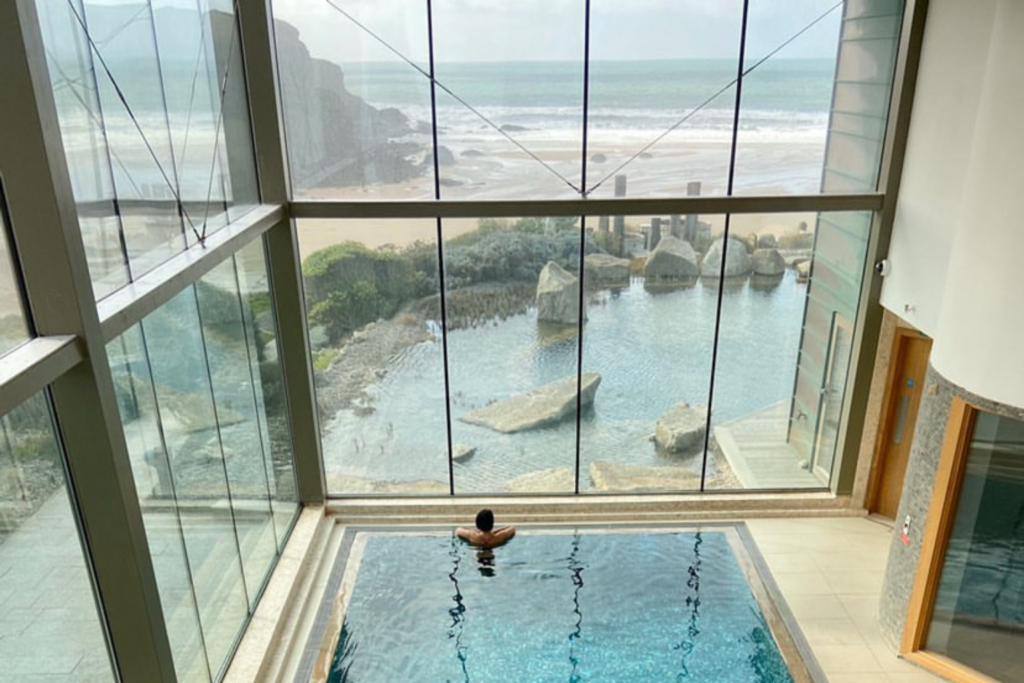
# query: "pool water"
[555,606]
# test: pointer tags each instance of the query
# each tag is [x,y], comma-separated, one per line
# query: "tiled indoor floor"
[830,572]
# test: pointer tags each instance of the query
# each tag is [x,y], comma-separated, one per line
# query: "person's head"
[485,520]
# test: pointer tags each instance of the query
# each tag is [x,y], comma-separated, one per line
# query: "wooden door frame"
[897,355]
[934,542]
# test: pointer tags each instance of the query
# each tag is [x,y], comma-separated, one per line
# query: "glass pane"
[228,350]
[200,54]
[271,400]
[649,333]
[813,115]
[357,115]
[13,328]
[978,618]
[75,95]
[513,318]
[144,123]
[49,626]
[510,114]
[791,287]
[373,308]
[140,419]
[144,168]
[661,105]
[198,467]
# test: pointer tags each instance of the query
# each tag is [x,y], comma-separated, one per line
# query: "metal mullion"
[132,303]
[259,62]
[725,243]
[583,244]
[503,208]
[49,245]
[440,255]
[31,367]
[868,324]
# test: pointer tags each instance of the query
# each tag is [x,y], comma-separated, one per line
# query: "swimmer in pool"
[485,535]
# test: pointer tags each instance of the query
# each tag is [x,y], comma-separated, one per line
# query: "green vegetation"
[349,286]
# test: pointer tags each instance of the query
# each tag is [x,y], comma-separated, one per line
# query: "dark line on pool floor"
[803,652]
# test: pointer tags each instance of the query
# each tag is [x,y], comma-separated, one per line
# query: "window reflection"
[979,609]
[48,618]
[211,453]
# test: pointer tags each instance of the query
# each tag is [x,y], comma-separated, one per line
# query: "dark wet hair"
[485,520]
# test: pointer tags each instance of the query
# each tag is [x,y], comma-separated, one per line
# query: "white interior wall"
[958,241]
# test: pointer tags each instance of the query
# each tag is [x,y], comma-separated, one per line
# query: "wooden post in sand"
[620,221]
[692,190]
[655,233]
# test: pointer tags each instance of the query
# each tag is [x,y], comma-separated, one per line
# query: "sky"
[552,30]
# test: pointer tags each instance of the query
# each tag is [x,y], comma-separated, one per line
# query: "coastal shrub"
[344,311]
[340,266]
[512,256]
[349,285]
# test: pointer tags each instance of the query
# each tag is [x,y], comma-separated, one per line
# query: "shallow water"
[556,607]
[652,349]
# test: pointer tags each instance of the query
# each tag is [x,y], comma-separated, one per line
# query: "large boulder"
[553,480]
[768,262]
[630,478]
[737,260]
[541,407]
[558,295]
[672,259]
[605,269]
[681,429]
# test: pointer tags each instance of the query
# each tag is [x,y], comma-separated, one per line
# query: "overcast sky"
[516,30]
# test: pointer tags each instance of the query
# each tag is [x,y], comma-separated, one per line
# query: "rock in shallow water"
[541,407]
[768,262]
[681,429]
[605,269]
[737,260]
[672,259]
[558,295]
[553,480]
[626,478]
[461,452]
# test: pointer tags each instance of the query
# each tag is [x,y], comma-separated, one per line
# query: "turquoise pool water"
[574,607]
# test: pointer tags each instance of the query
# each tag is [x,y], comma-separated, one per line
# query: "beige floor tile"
[847,659]
[816,607]
[855,582]
[802,583]
[855,678]
[831,632]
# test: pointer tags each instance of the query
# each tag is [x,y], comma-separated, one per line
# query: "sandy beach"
[495,169]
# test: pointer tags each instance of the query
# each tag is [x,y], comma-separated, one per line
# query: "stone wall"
[918,486]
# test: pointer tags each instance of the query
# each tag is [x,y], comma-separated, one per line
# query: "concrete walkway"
[756,449]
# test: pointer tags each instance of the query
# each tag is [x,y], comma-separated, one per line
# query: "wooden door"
[902,400]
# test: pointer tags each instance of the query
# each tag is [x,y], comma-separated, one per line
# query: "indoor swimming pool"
[554,604]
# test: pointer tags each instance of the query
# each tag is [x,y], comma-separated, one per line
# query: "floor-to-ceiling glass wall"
[747,317]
